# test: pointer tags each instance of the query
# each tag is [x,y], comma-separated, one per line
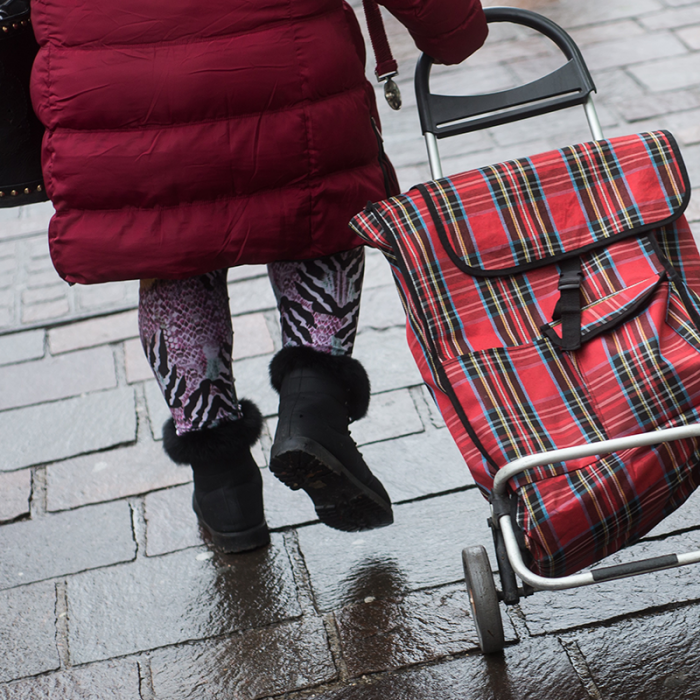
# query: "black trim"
[607,573]
[382,157]
[37,193]
[548,260]
[675,277]
[447,387]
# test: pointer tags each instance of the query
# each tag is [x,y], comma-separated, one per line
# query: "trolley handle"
[569,85]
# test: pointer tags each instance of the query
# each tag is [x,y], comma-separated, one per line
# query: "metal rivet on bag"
[26,190]
[15,25]
[38,188]
[2,194]
[5,29]
[13,193]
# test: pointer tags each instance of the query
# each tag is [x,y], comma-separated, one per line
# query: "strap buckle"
[570,279]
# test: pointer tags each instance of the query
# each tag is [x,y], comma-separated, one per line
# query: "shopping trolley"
[553,308]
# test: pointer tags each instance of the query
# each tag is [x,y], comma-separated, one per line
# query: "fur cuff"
[348,371]
[212,444]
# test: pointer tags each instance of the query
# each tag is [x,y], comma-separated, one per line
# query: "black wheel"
[483,599]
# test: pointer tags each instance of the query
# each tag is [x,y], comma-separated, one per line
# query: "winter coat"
[186,136]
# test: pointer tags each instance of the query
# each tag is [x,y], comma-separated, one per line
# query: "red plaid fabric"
[478,258]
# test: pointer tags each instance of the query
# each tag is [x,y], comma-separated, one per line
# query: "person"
[185,138]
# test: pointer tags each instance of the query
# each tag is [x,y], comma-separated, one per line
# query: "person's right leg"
[322,389]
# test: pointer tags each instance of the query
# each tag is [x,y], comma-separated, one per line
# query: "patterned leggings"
[186,332]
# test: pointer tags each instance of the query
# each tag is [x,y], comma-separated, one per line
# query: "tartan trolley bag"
[553,309]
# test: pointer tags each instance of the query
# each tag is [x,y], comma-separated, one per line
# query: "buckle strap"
[568,308]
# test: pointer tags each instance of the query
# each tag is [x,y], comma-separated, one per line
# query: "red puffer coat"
[185,136]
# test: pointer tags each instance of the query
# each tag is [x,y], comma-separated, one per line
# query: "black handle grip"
[567,86]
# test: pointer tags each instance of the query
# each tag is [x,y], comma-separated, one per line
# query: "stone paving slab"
[387,359]
[659,654]
[671,19]
[96,331]
[385,635]
[669,74]
[390,415]
[685,518]
[377,273]
[53,431]
[418,465]
[576,14]
[189,595]
[20,347]
[135,362]
[16,490]
[380,309]
[421,549]
[256,664]
[158,411]
[107,476]
[547,612]
[171,524]
[252,295]
[252,381]
[532,669]
[251,336]
[65,543]
[55,378]
[111,680]
[28,631]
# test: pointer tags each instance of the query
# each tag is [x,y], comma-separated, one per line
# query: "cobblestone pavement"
[107,589]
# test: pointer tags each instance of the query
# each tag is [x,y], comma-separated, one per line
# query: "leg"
[322,389]
[185,328]
[319,301]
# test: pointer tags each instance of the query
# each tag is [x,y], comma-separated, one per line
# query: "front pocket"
[645,373]
[522,400]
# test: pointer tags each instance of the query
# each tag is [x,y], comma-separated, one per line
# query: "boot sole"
[341,501]
[235,542]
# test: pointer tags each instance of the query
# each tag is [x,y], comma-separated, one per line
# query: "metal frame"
[500,505]
[607,573]
[431,142]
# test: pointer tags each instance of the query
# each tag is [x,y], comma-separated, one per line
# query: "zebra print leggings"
[186,332]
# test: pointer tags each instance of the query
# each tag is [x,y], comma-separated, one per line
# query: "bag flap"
[605,313]
[530,212]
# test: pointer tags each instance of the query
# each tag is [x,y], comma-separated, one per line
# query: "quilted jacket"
[183,137]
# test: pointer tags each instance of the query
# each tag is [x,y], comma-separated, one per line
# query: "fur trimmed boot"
[319,396]
[227,496]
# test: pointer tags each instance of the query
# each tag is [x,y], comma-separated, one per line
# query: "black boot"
[227,497]
[319,395]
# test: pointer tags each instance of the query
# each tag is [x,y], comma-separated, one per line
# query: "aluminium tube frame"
[431,142]
[600,574]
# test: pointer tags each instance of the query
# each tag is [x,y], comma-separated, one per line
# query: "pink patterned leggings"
[186,332]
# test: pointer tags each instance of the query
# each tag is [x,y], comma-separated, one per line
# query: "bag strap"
[387,67]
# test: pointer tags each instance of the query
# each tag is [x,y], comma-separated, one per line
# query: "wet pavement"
[107,587]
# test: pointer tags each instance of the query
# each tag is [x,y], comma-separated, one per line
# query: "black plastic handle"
[567,86]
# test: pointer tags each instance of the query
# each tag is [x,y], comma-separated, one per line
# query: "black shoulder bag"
[21,132]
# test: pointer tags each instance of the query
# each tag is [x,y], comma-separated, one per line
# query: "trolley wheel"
[483,599]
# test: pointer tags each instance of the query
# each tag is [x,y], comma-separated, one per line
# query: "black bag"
[21,132]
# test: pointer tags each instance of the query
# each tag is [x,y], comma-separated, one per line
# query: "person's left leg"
[186,333]
[322,389]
